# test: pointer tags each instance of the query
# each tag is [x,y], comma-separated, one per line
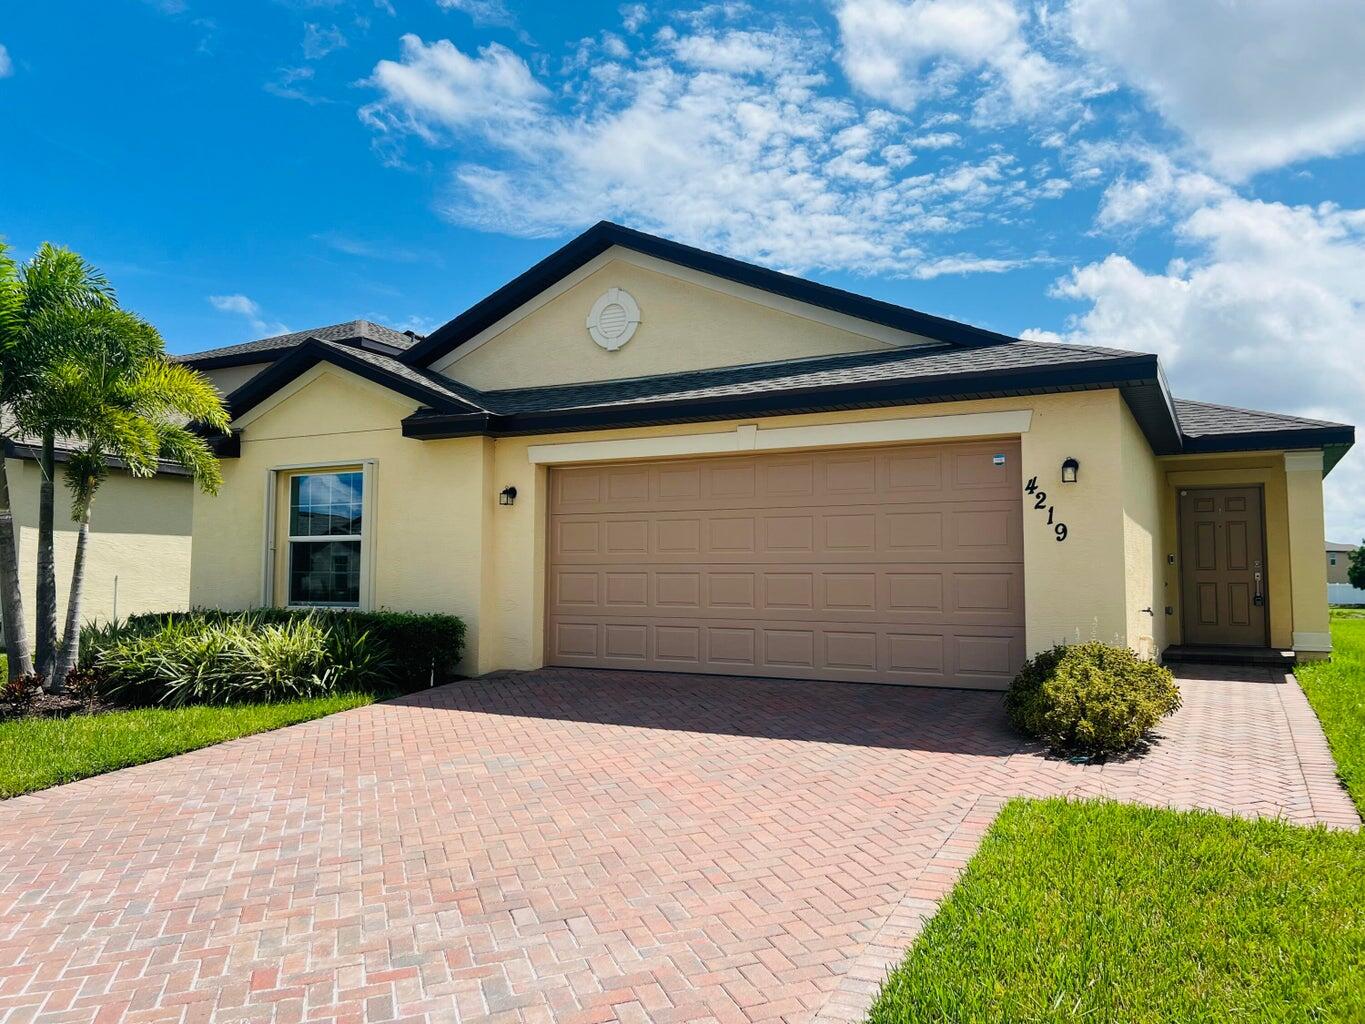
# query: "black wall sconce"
[507,496]
[1070,469]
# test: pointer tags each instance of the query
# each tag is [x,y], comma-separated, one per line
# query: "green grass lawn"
[39,752]
[1336,689]
[1103,912]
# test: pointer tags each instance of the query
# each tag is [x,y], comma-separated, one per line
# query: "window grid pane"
[324,572]
[326,505]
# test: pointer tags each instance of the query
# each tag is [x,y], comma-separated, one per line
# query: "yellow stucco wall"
[139,551]
[1074,587]
[228,379]
[1143,540]
[430,500]
[439,541]
[684,326]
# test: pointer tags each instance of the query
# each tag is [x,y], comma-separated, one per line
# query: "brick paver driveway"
[567,846]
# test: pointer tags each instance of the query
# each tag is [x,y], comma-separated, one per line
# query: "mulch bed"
[51,705]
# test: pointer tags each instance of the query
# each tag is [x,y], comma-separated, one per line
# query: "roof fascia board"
[1272,440]
[602,236]
[889,336]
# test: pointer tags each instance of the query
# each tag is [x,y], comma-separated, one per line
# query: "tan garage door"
[896,565]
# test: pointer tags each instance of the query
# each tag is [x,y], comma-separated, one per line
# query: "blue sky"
[1180,176]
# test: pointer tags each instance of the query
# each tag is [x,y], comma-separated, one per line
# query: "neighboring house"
[642,455]
[1339,562]
[139,550]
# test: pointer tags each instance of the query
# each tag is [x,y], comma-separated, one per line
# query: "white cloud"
[1269,315]
[1254,85]
[633,16]
[6,65]
[904,52]
[318,42]
[484,12]
[721,136]
[439,88]
[243,306]
[964,265]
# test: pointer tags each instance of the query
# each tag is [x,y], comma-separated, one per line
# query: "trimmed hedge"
[207,656]
[1090,698]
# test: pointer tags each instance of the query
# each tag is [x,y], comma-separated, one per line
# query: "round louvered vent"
[613,319]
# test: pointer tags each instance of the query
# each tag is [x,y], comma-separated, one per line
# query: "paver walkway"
[568,845]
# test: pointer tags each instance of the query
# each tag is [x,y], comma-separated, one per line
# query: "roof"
[28,446]
[1332,546]
[958,362]
[1206,427]
[604,235]
[354,332]
[854,381]
[431,389]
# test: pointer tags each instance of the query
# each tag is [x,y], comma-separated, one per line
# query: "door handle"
[1259,599]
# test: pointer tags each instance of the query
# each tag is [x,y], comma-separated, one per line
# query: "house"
[138,558]
[1339,562]
[643,455]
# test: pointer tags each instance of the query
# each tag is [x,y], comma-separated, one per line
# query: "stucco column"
[1307,563]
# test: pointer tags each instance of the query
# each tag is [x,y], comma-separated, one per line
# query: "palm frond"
[84,471]
[191,451]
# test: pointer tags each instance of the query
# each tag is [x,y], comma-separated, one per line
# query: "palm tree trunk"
[11,594]
[47,566]
[71,638]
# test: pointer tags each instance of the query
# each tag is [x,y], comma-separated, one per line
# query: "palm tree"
[115,394]
[11,594]
[54,281]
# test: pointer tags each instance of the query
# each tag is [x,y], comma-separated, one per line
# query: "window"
[1332,559]
[326,527]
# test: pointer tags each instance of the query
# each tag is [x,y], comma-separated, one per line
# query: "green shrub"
[215,657]
[420,647]
[1090,698]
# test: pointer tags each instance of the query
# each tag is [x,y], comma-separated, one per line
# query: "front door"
[1222,566]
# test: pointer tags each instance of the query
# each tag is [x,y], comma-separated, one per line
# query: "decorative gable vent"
[613,319]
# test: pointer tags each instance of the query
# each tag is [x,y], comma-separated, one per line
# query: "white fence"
[1344,593]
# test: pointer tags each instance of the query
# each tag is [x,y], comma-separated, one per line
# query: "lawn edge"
[44,791]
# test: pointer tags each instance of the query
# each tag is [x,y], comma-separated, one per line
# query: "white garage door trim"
[752,437]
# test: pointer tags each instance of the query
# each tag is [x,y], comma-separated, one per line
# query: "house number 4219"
[1041,505]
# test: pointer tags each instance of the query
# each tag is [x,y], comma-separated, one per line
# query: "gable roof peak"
[605,234]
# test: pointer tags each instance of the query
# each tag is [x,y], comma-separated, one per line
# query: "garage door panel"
[889,565]
[887,593]
[918,474]
[959,531]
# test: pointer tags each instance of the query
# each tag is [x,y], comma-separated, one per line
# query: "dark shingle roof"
[356,332]
[1200,419]
[437,383]
[920,362]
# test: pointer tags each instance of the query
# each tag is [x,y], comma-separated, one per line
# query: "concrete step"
[1198,654]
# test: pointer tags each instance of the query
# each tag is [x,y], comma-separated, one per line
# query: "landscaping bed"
[1090,911]
[156,685]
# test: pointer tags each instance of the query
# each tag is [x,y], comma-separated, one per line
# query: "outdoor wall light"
[1070,468]
[507,496]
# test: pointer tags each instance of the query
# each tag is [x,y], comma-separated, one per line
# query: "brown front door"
[1222,566]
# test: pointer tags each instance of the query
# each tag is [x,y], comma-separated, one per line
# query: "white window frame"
[270,562]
